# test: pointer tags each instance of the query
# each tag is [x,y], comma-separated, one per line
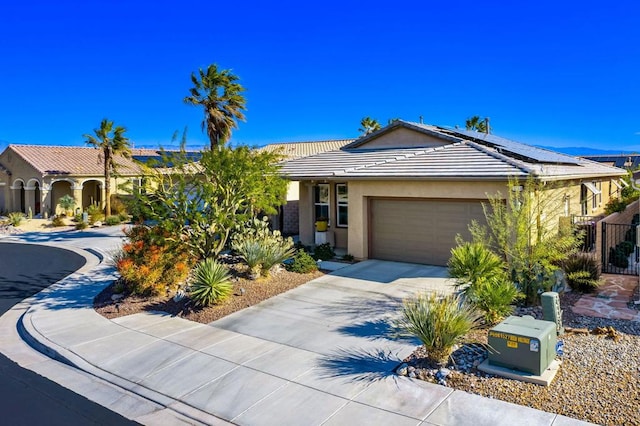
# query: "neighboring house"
[624,161]
[35,176]
[404,192]
[287,219]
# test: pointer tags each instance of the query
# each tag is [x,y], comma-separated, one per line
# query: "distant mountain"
[580,151]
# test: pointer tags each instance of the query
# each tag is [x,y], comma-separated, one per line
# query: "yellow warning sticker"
[511,344]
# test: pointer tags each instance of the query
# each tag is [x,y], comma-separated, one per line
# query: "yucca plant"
[438,321]
[275,255]
[262,248]
[253,253]
[211,283]
[16,218]
[583,272]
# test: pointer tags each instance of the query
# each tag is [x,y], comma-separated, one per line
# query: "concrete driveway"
[323,353]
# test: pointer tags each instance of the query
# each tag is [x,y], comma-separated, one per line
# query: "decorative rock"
[116,297]
[412,374]
[180,294]
[402,370]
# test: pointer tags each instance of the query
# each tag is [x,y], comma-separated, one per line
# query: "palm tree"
[112,142]
[368,125]
[221,96]
[478,124]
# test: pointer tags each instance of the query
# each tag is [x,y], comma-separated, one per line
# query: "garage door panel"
[420,231]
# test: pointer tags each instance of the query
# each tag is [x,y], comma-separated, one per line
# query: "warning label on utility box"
[512,340]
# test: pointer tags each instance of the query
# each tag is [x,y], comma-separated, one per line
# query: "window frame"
[342,204]
[318,204]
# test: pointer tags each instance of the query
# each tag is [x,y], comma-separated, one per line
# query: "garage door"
[419,231]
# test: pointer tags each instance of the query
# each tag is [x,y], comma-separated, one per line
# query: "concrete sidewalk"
[319,354]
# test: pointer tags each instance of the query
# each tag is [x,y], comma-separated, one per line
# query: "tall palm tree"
[477,124]
[368,125]
[112,142]
[221,96]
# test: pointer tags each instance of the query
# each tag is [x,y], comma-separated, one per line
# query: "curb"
[33,338]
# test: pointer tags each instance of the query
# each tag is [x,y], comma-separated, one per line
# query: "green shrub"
[211,283]
[494,298]
[77,217]
[16,218]
[472,264]
[95,214]
[627,247]
[81,225]
[302,263]
[112,220]
[323,252]
[438,321]
[615,205]
[57,221]
[630,235]
[618,258]
[123,217]
[583,272]
[260,247]
[348,257]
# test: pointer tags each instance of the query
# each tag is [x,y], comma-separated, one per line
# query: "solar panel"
[528,152]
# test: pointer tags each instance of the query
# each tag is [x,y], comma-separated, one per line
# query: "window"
[596,201]
[321,201]
[342,203]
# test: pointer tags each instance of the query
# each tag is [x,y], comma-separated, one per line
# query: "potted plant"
[66,203]
[322,223]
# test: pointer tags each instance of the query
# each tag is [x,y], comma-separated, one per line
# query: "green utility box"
[523,343]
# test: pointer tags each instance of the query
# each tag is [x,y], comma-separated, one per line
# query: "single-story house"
[405,191]
[287,219]
[35,177]
[624,161]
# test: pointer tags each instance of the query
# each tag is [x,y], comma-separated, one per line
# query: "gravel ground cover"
[598,381]
[246,293]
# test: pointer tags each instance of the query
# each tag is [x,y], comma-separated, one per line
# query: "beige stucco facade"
[25,189]
[567,198]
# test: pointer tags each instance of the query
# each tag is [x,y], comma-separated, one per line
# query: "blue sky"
[546,73]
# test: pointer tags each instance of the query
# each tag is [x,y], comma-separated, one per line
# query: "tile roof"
[75,160]
[293,150]
[465,157]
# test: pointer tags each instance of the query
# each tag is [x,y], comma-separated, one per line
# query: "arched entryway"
[58,190]
[91,193]
[37,200]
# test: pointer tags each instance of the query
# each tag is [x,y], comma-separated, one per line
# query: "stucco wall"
[563,199]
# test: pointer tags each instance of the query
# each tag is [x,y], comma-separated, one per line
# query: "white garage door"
[419,231]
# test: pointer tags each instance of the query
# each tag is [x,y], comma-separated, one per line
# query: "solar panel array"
[526,151]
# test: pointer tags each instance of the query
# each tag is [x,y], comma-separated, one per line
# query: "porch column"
[45,200]
[29,200]
[77,196]
[306,213]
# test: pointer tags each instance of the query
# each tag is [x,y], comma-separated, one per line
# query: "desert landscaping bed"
[246,293]
[598,381]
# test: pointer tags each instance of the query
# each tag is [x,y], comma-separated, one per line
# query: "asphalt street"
[27,398]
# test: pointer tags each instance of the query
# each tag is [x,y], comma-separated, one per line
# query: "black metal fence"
[587,225]
[619,252]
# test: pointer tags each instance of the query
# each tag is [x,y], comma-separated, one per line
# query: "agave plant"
[211,283]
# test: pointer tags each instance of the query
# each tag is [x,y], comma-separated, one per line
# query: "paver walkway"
[611,299]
